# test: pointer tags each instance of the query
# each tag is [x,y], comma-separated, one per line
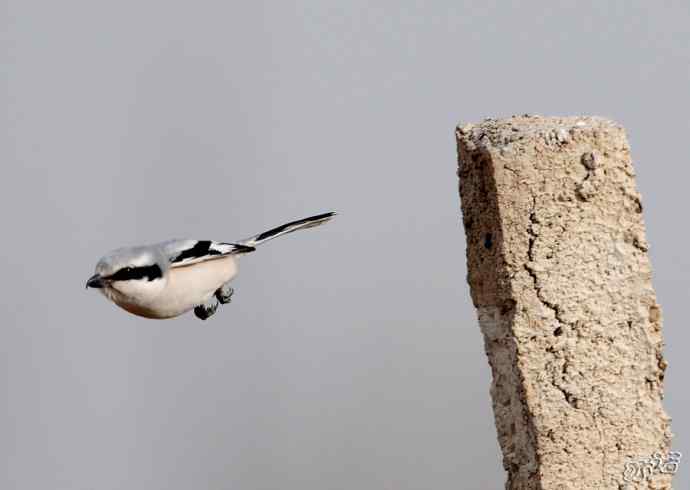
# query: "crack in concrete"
[533,236]
[569,397]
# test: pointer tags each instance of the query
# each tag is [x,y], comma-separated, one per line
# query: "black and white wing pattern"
[187,252]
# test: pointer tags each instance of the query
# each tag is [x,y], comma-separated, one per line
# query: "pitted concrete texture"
[559,274]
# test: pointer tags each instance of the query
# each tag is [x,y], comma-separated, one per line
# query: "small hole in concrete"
[558,332]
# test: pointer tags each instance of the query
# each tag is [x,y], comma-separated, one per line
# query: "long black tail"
[301,224]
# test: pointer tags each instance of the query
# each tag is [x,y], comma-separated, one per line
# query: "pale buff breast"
[192,285]
[185,288]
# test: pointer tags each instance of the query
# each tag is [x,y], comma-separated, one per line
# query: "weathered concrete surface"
[559,273]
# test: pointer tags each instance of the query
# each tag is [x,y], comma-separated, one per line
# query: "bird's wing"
[186,252]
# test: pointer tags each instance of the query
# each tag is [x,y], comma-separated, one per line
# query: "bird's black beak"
[95,281]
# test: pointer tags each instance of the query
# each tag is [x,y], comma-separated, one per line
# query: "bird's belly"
[187,287]
[195,284]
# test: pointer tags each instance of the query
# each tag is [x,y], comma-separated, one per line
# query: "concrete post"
[559,274]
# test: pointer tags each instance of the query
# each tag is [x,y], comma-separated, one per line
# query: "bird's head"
[136,274]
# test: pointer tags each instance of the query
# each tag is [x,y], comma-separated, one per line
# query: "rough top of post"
[501,132]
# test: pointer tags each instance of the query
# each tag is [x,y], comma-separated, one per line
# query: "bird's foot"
[206,310]
[224,294]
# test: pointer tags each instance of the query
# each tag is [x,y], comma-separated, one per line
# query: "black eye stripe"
[150,272]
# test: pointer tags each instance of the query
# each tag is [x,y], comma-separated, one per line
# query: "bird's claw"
[205,311]
[224,294]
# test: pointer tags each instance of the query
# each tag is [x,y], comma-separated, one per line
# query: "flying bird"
[168,279]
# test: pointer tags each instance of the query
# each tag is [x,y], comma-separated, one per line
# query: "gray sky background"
[351,356]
